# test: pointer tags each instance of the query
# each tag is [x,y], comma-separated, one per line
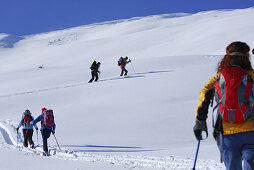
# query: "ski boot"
[32,146]
[46,153]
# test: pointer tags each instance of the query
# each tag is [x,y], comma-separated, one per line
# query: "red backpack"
[234,95]
[48,118]
[27,120]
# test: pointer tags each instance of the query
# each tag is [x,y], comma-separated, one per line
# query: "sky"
[25,17]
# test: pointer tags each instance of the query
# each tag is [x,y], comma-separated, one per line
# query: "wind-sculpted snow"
[9,41]
[8,129]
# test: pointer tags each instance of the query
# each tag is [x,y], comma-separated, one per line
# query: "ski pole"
[197,153]
[17,137]
[133,67]
[57,141]
[37,137]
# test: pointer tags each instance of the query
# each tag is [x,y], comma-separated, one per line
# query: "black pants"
[28,135]
[94,75]
[45,133]
[123,71]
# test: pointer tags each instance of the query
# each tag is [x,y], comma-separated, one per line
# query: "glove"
[37,129]
[17,129]
[53,132]
[199,127]
[129,60]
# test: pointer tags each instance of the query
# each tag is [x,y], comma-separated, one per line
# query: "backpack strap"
[252,113]
[213,96]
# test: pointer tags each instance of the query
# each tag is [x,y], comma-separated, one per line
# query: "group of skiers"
[47,118]
[47,127]
[232,89]
[96,65]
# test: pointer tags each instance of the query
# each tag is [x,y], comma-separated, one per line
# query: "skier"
[94,71]
[122,63]
[47,126]
[233,129]
[27,128]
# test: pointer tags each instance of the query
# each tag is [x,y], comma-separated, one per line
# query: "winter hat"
[43,109]
[27,112]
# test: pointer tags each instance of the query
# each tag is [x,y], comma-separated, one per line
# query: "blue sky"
[24,17]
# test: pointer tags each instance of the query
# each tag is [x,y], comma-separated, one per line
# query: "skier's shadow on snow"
[137,75]
[106,148]
[154,72]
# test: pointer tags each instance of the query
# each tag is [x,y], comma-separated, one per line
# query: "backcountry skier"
[232,87]
[122,63]
[47,126]
[94,71]
[27,128]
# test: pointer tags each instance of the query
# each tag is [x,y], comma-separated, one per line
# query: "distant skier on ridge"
[122,63]
[94,71]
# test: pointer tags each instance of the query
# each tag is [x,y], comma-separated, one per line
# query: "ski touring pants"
[237,148]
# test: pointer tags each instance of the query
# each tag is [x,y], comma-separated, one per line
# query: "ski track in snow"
[43,90]
[136,75]
[8,131]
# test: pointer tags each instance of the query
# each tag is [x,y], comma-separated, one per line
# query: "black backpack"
[120,61]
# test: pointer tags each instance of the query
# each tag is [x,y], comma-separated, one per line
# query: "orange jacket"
[123,64]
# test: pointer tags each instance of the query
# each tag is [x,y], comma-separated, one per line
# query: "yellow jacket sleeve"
[205,97]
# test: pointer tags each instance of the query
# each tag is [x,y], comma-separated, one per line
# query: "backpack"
[48,118]
[93,65]
[120,61]
[27,119]
[233,93]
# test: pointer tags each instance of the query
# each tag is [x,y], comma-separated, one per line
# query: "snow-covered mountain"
[141,121]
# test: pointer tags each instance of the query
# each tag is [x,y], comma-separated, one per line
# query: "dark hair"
[236,54]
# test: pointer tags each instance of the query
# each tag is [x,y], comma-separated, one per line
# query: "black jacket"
[95,68]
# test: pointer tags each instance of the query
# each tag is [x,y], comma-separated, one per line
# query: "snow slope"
[142,121]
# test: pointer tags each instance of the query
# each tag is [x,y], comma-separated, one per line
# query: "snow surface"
[141,121]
